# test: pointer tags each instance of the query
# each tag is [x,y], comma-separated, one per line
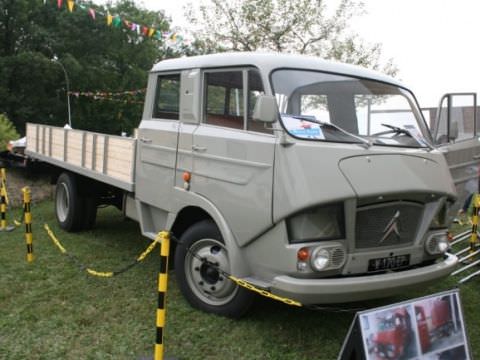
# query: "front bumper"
[348,289]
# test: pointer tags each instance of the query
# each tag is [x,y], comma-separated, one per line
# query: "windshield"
[328,107]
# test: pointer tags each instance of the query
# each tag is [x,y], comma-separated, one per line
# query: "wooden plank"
[119,166]
[88,150]
[105,157]
[50,141]
[65,144]
[99,153]
[44,140]
[40,139]
[57,151]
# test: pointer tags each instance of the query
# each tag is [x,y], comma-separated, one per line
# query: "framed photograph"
[430,328]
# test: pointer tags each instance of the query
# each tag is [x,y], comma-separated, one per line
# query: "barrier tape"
[265,293]
[92,272]
[161,235]
[243,283]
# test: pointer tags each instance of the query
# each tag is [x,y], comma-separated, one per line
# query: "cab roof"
[266,62]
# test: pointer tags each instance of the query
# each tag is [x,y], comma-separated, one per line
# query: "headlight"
[437,244]
[320,259]
[321,223]
[329,256]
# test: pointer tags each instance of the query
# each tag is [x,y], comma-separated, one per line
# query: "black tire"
[90,212]
[204,287]
[68,203]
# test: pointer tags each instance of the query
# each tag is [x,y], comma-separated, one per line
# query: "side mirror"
[265,109]
[453,134]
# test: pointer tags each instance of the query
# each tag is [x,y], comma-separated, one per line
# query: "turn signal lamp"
[302,259]
[187,176]
[303,254]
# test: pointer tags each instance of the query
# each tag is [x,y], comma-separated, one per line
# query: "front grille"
[388,224]
[337,257]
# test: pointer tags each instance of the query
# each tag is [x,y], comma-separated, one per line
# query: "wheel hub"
[203,274]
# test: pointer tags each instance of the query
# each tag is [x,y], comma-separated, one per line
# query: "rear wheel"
[68,203]
[198,255]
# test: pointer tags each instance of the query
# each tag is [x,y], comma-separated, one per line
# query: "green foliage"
[7,132]
[96,57]
[294,26]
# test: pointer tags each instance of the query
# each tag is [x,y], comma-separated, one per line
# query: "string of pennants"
[126,97]
[117,21]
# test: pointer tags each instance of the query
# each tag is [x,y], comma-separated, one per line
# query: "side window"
[255,89]
[224,99]
[167,97]
[461,126]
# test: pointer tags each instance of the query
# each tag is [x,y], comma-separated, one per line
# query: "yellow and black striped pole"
[162,293]
[3,208]
[28,222]
[4,202]
[474,237]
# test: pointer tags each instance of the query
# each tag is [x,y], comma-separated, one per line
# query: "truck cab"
[316,181]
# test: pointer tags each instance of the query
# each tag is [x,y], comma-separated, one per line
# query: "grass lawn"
[51,310]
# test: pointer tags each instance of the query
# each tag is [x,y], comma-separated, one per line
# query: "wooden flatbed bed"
[106,158]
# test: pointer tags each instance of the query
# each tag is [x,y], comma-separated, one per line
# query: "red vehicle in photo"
[393,335]
[439,323]
[422,326]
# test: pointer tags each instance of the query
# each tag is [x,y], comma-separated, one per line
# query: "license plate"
[391,262]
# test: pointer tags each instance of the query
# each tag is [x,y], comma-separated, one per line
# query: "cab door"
[456,134]
[233,156]
[158,137]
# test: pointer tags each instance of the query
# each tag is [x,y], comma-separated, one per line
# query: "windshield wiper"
[326,124]
[398,130]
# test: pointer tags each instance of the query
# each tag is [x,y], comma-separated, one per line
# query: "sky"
[434,43]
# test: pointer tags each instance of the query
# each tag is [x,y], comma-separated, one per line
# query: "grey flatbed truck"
[314,180]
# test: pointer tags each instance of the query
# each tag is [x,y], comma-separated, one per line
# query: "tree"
[292,26]
[96,57]
[7,132]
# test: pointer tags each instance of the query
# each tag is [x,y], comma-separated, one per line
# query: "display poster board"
[427,328]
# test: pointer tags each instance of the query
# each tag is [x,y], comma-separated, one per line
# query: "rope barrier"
[265,293]
[92,272]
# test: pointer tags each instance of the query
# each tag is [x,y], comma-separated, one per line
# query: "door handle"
[146,140]
[198,148]
[476,157]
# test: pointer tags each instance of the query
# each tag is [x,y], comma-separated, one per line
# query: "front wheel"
[203,286]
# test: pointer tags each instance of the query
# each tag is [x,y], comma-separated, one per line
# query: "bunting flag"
[126,97]
[92,13]
[169,38]
[117,21]
[71,5]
